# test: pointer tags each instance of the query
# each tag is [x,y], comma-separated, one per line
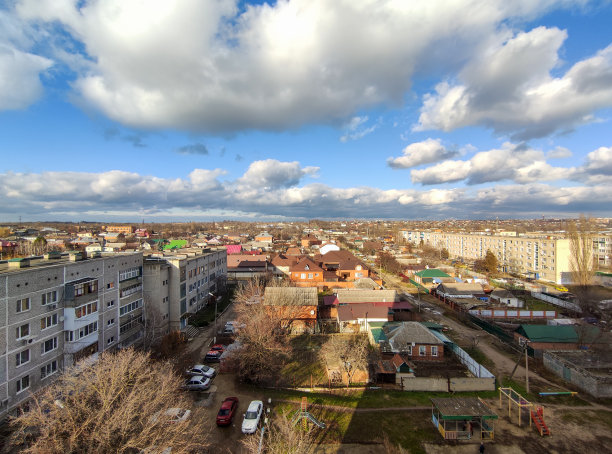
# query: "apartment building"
[543,257]
[602,250]
[177,285]
[60,308]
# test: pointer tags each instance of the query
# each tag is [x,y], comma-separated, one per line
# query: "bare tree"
[348,354]
[580,234]
[282,436]
[118,405]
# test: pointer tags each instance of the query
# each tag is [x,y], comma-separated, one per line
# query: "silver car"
[197,383]
[201,369]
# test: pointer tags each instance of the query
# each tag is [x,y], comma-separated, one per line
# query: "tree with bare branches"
[580,235]
[282,436]
[117,405]
[347,354]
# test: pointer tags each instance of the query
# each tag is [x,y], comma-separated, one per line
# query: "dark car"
[227,411]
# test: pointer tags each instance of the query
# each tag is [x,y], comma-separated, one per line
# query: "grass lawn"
[370,398]
[409,429]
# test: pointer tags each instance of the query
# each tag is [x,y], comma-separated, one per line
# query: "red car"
[227,411]
[214,353]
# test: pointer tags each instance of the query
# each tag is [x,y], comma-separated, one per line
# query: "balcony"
[80,292]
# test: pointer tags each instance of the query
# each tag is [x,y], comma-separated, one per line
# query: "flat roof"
[36,262]
[459,408]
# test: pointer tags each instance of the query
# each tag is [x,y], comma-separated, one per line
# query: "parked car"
[215,352]
[197,383]
[227,411]
[201,369]
[172,415]
[252,417]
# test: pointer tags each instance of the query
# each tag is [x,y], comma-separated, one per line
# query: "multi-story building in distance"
[541,257]
[179,284]
[60,308]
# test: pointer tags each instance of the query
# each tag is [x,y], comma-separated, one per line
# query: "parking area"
[226,439]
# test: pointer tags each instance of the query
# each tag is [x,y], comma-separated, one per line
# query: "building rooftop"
[459,408]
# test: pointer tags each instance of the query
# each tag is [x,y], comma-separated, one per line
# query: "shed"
[459,418]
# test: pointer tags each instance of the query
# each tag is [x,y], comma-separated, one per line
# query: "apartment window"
[129,325]
[110,322]
[69,337]
[129,274]
[23,383]
[49,297]
[110,303]
[48,369]
[23,305]
[110,340]
[422,350]
[434,348]
[86,309]
[130,307]
[49,345]
[86,330]
[110,285]
[47,322]
[22,357]
[23,331]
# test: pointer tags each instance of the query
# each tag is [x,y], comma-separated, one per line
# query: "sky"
[200,110]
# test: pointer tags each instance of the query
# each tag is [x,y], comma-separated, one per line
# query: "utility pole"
[526,367]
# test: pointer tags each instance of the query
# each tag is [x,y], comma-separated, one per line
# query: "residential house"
[283,263]
[125,229]
[460,290]
[506,298]
[411,339]
[310,240]
[556,337]
[306,272]
[354,318]
[296,306]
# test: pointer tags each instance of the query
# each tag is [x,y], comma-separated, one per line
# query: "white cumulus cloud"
[425,152]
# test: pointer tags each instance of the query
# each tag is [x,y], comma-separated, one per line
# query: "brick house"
[306,271]
[297,306]
[410,339]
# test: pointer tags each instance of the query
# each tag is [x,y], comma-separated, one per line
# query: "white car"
[201,369]
[252,417]
[197,383]
[171,415]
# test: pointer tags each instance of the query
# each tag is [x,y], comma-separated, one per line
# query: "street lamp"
[215,333]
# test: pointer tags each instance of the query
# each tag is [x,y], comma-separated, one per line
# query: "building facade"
[58,309]
[178,285]
[544,258]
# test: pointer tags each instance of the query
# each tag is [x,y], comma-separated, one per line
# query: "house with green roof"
[427,276]
[556,337]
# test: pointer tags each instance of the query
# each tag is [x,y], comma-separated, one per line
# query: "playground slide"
[538,419]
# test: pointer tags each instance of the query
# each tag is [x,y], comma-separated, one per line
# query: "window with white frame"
[110,340]
[110,303]
[110,322]
[82,332]
[422,350]
[48,369]
[49,297]
[47,322]
[434,350]
[22,331]
[22,357]
[129,274]
[22,305]
[49,345]
[23,383]
[410,350]
[131,307]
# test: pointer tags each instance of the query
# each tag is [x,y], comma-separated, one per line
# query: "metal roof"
[460,408]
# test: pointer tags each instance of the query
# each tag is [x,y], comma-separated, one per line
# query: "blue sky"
[192,110]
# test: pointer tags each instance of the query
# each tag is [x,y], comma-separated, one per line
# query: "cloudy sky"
[225,109]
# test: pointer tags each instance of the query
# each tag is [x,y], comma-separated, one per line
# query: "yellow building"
[544,257]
